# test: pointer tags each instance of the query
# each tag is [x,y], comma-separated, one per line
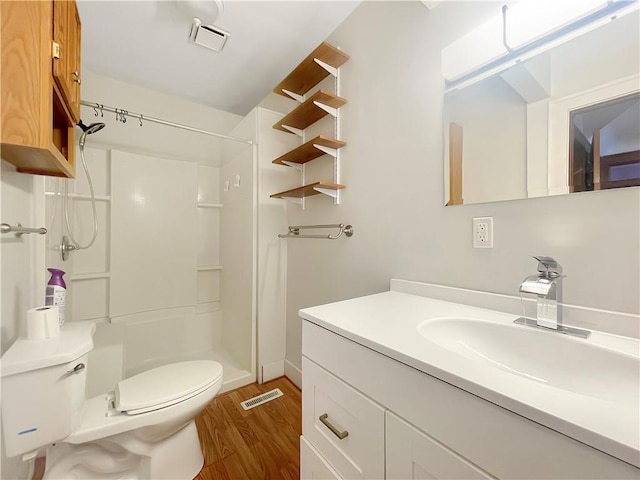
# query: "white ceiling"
[146,43]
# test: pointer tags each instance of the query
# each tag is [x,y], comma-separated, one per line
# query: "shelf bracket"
[297,131]
[295,200]
[295,165]
[329,151]
[332,70]
[295,96]
[330,110]
[327,191]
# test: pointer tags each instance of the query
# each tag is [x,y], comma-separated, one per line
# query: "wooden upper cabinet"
[66,53]
[37,114]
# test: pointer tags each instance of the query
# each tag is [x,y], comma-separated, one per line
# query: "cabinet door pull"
[76,74]
[325,420]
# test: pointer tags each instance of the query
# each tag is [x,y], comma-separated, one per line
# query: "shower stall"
[172,272]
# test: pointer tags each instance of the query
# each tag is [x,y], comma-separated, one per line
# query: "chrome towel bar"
[294,231]
[19,230]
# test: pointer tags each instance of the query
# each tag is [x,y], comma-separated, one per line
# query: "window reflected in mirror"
[605,145]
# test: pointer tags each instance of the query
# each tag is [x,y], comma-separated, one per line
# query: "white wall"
[487,110]
[21,284]
[152,138]
[393,170]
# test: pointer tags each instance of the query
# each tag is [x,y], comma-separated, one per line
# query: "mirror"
[566,120]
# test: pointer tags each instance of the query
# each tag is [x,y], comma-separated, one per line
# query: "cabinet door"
[412,454]
[312,465]
[66,64]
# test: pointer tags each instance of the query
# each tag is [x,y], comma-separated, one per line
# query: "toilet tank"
[43,387]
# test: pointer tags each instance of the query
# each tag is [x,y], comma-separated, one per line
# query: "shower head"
[92,128]
[88,130]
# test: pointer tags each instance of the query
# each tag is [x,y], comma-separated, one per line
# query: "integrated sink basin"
[586,389]
[546,357]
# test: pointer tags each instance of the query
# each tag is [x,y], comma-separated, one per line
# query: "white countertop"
[388,323]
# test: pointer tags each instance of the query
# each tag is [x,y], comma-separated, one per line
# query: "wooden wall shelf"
[309,190]
[325,60]
[309,72]
[308,112]
[309,151]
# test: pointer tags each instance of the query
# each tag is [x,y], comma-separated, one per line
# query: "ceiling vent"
[208,36]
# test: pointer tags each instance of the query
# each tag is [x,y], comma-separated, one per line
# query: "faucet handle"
[548,267]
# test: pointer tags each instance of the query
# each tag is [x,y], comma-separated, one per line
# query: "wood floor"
[261,443]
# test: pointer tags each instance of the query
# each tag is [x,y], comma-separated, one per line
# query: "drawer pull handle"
[325,420]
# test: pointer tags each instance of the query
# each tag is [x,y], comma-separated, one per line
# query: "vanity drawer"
[330,409]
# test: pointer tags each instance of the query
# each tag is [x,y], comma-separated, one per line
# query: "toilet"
[144,429]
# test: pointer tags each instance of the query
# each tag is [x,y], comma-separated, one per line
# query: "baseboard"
[272,370]
[293,373]
[238,380]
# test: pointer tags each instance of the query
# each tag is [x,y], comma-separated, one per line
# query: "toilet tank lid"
[75,339]
[165,384]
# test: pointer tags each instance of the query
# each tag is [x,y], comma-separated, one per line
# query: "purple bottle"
[56,291]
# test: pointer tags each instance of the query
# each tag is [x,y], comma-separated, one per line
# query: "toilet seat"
[165,386]
[100,419]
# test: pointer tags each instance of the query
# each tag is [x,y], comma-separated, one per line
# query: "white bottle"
[56,292]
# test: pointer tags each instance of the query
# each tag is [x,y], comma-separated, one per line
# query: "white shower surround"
[133,336]
[153,277]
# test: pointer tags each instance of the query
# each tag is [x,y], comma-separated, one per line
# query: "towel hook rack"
[19,230]
[294,231]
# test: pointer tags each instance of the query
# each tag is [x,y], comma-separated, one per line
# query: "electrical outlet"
[483,232]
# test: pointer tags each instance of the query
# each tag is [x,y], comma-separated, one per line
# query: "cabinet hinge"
[56,50]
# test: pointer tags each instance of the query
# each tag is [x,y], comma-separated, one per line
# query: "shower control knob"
[66,247]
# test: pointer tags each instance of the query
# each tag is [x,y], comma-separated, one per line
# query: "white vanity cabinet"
[403,423]
[412,454]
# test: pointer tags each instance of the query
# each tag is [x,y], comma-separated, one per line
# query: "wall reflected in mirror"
[566,120]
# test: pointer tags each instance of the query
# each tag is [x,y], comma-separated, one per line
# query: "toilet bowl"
[144,429]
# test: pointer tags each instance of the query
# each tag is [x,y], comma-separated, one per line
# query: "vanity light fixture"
[522,31]
[529,20]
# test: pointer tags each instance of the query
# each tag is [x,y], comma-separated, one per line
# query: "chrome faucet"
[547,286]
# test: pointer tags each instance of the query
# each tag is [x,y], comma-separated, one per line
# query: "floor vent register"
[260,399]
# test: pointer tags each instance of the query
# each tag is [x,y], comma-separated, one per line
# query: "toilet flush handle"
[78,368]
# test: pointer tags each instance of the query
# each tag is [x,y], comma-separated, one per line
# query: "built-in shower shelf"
[80,196]
[330,189]
[311,150]
[89,276]
[319,64]
[209,205]
[317,106]
[207,268]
